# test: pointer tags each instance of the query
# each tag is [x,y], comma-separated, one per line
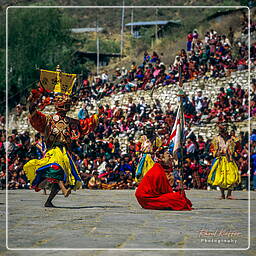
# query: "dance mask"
[60,85]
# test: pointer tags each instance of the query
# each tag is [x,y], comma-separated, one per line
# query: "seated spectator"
[83,113]
[94,182]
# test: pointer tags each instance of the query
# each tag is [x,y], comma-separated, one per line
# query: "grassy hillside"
[110,19]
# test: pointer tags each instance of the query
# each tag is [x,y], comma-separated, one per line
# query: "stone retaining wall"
[210,88]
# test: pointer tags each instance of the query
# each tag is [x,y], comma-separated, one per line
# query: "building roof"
[92,54]
[152,23]
[85,30]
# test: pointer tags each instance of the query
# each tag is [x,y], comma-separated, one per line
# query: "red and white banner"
[176,133]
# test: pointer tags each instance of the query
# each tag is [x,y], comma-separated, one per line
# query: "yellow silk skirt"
[58,157]
[145,164]
[224,173]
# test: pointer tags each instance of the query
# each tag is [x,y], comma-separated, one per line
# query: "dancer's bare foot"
[49,204]
[231,198]
[221,197]
[67,192]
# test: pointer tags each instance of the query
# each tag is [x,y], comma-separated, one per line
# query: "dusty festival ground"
[113,219]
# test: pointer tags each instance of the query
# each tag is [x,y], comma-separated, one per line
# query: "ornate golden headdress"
[57,81]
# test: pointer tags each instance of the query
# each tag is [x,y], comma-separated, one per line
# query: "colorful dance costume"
[224,172]
[146,162]
[59,131]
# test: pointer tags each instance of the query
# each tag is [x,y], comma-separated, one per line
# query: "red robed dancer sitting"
[154,191]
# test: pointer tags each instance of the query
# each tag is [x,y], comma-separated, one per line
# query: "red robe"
[154,192]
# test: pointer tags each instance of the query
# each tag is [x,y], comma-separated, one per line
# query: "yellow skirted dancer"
[59,130]
[146,162]
[224,172]
[56,165]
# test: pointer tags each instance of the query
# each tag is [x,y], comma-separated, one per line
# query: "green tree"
[2,63]
[37,38]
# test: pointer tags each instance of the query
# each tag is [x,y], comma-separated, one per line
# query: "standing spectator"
[253,157]
[198,101]
[154,57]
[231,35]
[131,109]
[124,72]
[141,108]
[104,77]
[195,39]
[189,41]
[190,148]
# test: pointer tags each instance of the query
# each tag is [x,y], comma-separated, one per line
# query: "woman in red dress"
[154,191]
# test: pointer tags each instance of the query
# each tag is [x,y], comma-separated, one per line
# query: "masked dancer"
[59,130]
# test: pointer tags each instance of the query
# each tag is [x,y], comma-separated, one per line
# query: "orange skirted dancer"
[154,191]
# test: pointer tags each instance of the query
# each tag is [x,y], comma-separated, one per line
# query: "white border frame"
[131,249]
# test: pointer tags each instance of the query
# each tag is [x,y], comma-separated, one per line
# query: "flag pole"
[181,95]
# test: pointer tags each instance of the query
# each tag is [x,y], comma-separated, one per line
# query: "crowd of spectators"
[206,56]
[105,163]
[232,105]
[245,25]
